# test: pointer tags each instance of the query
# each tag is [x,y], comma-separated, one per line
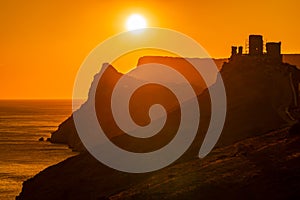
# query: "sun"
[135,21]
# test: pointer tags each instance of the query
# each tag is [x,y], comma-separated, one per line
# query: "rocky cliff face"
[260,96]
[66,133]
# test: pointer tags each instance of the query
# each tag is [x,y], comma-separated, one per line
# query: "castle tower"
[233,50]
[240,52]
[255,45]
[274,51]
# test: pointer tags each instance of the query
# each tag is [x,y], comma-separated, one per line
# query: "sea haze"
[22,123]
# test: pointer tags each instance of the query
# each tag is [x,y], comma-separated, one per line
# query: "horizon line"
[25,99]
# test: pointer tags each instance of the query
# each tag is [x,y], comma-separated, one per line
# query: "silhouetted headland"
[255,158]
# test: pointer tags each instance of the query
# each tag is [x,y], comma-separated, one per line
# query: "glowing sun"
[135,22]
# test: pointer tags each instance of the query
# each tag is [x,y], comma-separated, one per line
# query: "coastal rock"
[253,159]
[260,97]
[66,132]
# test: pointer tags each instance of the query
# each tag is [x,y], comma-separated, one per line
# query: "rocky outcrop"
[66,132]
[259,98]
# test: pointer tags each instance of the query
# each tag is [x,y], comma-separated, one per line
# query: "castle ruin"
[256,46]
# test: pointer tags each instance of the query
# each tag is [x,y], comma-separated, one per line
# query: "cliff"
[259,97]
[256,157]
[66,132]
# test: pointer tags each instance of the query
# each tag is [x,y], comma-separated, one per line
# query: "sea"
[22,155]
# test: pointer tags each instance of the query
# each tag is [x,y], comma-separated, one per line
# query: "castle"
[272,54]
[271,57]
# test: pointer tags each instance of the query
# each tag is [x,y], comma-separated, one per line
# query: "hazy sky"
[44,42]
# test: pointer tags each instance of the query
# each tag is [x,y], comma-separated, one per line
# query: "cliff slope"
[262,167]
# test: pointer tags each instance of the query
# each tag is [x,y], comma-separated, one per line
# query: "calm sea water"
[22,123]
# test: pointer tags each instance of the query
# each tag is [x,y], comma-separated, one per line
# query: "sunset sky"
[43,43]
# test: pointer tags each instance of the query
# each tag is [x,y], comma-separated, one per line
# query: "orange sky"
[44,42]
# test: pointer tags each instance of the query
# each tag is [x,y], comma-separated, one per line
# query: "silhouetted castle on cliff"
[269,61]
[272,54]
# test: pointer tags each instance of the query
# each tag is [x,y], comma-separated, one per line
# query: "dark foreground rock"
[262,167]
